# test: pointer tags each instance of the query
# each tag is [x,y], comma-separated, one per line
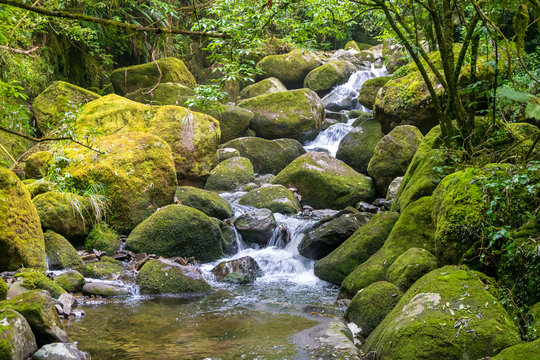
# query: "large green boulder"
[60,253]
[103,238]
[392,155]
[37,187]
[163,94]
[167,70]
[325,77]
[276,198]
[267,156]
[411,266]
[325,182]
[34,279]
[21,237]
[413,229]
[57,102]
[233,121]
[72,281]
[106,269]
[17,342]
[296,114]
[35,165]
[230,174]
[371,305]
[206,201]
[177,230]
[368,91]
[291,68]
[528,350]
[266,86]
[448,313]
[164,276]
[137,173]
[358,146]
[364,242]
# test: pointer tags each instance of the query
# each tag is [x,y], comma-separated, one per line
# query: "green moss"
[290,68]
[161,276]
[163,94]
[266,86]
[358,146]
[351,45]
[177,230]
[208,202]
[371,305]
[325,77]
[35,166]
[414,228]
[60,253]
[231,174]
[411,266]
[448,314]
[103,238]
[15,145]
[166,70]
[37,187]
[21,237]
[325,182]
[529,350]
[369,90]
[276,198]
[3,289]
[72,281]
[106,268]
[533,321]
[233,121]
[365,241]
[34,279]
[296,114]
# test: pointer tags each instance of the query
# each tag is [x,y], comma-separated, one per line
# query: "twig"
[19,51]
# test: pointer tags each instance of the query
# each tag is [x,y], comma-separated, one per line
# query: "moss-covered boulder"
[414,228]
[177,230]
[35,166]
[230,174]
[137,173]
[17,342]
[163,94]
[256,226]
[227,153]
[37,187]
[368,91]
[325,182]
[34,279]
[325,77]
[164,276]
[38,309]
[267,156]
[50,107]
[291,69]
[238,271]
[371,305]
[266,86]
[364,242]
[528,350]
[353,45]
[104,290]
[392,155]
[103,238]
[67,214]
[106,268]
[21,237]
[3,289]
[448,313]
[167,70]
[60,253]
[411,266]
[276,198]
[296,114]
[358,146]
[72,281]
[233,121]
[15,145]
[206,201]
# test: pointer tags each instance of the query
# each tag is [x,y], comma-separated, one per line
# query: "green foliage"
[207,97]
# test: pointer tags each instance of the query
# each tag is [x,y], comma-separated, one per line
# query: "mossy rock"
[163,94]
[296,114]
[233,121]
[177,230]
[325,77]
[392,155]
[448,313]
[15,145]
[106,268]
[411,266]
[528,350]
[104,290]
[21,237]
[72,281]
[231,174]
[167,70]
[291,69]
[371,305]
[38,309]
[352,45]
[54,102]
[35,279]
[227,153]
[35,166]
[325,182]
[67,214]
[256,226]
[206,201]
[276,198]
[358,146]
[365,241]
[266,86]
[137,173]
[368,91]
[238,271]
[414,228]
[267,156]
[38,187]
[17,342]
[3,289]
[60,253]
[103,238]
[164,276]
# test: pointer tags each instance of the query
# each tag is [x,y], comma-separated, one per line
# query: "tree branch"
[19,51]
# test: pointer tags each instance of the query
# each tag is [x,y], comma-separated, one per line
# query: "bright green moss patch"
[163,94]
[231,174]
[72,281]
[206,201]
[163,276]
[290,68]
[60,253]
[276,198]
[103,238]
[369,90]
[411,266]
[35,166]
[266,86]
[325,77]
[34,279]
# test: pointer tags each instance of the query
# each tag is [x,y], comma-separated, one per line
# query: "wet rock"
[163,276]
[368,91]
[17,341]
[228,236]
[59,351]
[34,279]
[365,207]
[256,226]
[338,116]
[104,290]
[238,271]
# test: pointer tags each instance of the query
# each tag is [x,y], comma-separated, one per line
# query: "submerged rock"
[256,226]
[17,342]
[162,276]
[238,271]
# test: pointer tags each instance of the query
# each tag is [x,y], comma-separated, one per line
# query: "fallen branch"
[19,51]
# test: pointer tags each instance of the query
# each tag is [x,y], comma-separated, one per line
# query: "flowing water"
[252,321]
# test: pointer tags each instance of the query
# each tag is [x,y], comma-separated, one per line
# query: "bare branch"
[19,51]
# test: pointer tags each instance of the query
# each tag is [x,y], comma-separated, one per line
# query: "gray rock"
[256,226]
[391,193]
[238,271]
[16,337]
[59,351]
[68,302]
